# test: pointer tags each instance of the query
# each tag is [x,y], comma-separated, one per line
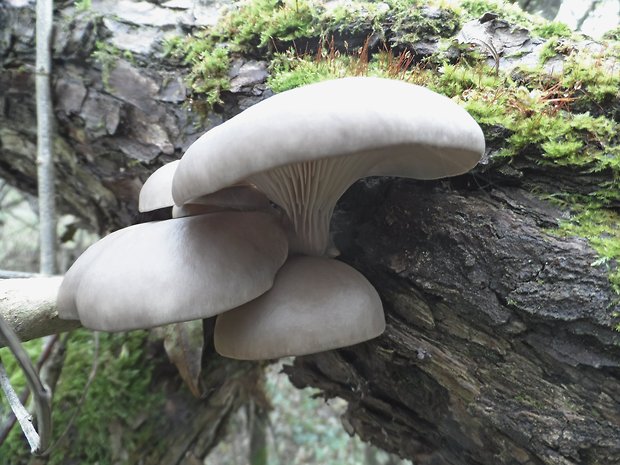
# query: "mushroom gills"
[316,304]
[329,135]
[241,197]
[308,192]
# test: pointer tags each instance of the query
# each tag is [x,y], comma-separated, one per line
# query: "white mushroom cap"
[305,147]
[157,273]
[65,301]
[316,304]
[156,191]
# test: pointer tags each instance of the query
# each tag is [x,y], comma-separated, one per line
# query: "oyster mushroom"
[303,148]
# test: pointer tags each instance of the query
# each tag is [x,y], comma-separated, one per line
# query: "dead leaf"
[184,344]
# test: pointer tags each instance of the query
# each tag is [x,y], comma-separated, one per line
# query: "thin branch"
[7,426]
[23,416]
[10,204]
[45,162]
[26,223]
[39,441]
[593,6]
[9,274]
[29,306]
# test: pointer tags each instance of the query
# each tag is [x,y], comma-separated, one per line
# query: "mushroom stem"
[308,192]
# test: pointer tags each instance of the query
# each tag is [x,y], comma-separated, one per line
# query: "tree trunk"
[45,155]
[499,346]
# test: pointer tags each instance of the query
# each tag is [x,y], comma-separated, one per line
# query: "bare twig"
[593,6]
[23,416]
[39,441]
[45,163]
[7,426]
[490,47]
[9,274]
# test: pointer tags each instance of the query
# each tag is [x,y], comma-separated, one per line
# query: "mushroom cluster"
[251,203]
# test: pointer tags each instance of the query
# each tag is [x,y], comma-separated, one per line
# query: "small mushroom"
[303,148]
[182,269]
[316,304]
[156,193]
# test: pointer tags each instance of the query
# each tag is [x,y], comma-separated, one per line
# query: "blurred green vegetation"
[119,395]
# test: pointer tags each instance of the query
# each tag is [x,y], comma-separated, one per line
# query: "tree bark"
[499,347]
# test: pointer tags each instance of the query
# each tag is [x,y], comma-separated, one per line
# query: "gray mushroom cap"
[303,148]
[156,191]
[316,304]
[157,273]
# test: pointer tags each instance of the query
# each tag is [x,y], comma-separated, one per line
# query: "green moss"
[208,66]
[474,9]
[456,79]
[601,227]
[260,22]
[409,25]
[250,26]
[552,29]
[120,397]
[613,34]
[106,55]
[269,27]
[289,71]
[591,74]
[83,5]
[357,17]
[550,49]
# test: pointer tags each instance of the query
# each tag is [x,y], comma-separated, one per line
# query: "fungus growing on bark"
[303,148]
[176,270]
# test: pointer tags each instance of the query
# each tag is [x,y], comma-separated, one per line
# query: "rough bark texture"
[192,427]
[499,347]
[497,350]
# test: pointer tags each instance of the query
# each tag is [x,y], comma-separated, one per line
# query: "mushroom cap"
[316,304]
[182,269]
[156,191]
[65,300]
[400,129]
